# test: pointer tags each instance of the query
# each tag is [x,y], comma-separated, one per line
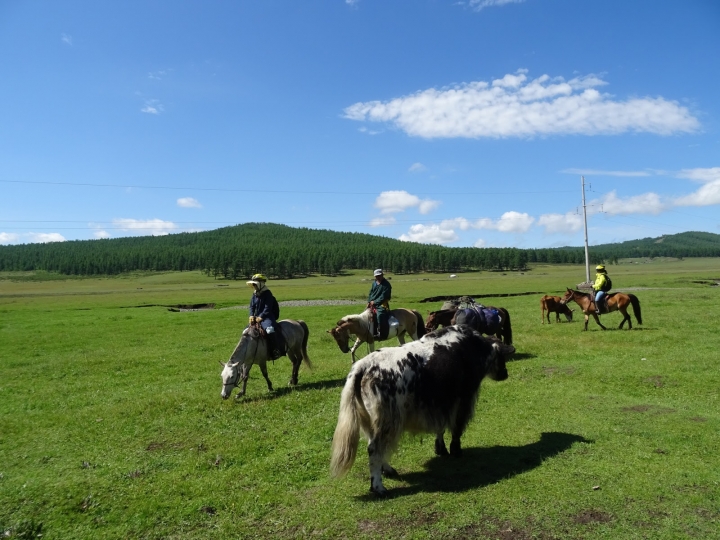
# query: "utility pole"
[587,256]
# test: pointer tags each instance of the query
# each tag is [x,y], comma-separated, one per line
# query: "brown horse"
[409,322]
[441,317]
[615,302]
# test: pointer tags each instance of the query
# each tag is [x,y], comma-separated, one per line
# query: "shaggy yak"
[426,386]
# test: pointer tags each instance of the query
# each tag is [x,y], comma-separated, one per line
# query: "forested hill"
[282,251]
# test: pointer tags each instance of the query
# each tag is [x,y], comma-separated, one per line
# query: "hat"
[600,268]
[378,272]
[258,280]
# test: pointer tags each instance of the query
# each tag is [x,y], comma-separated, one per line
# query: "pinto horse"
[410,322]
[615,302]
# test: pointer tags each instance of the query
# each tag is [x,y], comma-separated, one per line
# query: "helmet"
[378,272]
[258,277]
[600,268]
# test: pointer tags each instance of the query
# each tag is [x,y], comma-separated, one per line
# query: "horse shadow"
[480,467]
[284,391]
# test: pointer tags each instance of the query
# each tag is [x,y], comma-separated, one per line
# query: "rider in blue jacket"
[265,310]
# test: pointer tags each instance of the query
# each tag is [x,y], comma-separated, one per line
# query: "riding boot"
[273,349]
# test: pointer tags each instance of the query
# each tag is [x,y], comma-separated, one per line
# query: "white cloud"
[478,5]
[351,2]
[417,167]
[155,227]
[595,172]
[515,107]
[707,195]
[101,234]
[188,202]
[511,222]
[382,221]
[480,243]
[392,202]
[67,39]
[369,131]
[8,238]
[152,106]
[429,234]
[44,238]
[561,223]
[646,203]
[701,175]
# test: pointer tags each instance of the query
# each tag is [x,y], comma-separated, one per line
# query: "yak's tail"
[420,324]
[636,307]
[347,432]
[306,335]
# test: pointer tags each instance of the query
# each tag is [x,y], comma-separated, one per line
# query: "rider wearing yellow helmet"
[601,287]
[265,310]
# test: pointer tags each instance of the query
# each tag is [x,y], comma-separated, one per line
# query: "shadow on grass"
[285,390]
[480,467]
[521,356]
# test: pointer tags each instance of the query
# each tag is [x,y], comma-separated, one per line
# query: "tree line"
[283,252]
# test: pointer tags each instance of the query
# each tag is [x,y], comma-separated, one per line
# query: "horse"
[552,304]
[441,317]
[477,317]
[252,349]
[615,302]
[410,322]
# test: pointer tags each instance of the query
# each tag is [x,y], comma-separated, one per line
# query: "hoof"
[390,472]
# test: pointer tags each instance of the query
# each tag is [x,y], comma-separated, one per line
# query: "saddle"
[485,320]
[280,340]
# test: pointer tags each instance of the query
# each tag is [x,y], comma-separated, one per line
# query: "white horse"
[402,322]
[252,348]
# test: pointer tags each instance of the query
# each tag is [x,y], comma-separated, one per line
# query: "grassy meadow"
[112,426]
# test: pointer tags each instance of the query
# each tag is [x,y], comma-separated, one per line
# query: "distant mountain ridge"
[281,251]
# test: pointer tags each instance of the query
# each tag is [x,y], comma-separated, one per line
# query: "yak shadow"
[285,390]
[522,356]
[480,467]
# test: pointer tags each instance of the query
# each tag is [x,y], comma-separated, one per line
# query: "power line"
[296,192]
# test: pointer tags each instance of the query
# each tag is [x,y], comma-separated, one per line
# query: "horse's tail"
[507,328]
[306,335]
[636,307]
[347,432]
[419,323]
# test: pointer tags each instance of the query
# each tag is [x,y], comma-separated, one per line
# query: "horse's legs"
[376,455]
[263,368]
[401,337]
[358,341]
[597,320]
[626,317]
[244,384]
[296,360]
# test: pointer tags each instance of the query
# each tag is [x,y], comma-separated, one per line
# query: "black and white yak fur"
[426,386]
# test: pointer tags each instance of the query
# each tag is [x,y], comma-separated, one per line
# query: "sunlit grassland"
[112,426]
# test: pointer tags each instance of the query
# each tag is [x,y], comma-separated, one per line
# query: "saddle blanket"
[485,320]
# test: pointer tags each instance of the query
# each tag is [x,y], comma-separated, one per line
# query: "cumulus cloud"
[561,223]
[701,175]
[708,194]
[417,167]
[101,234]
[514,106]
[480,243]
[429,234]
[646,203]
[8,238]
[479,5]
[44,238]
[152,106]
[392,202]
[188,202]
[510,222]
[155,227]
[382,221]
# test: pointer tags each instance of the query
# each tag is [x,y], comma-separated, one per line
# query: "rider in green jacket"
[379,297]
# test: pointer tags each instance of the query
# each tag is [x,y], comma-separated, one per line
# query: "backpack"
[608,284]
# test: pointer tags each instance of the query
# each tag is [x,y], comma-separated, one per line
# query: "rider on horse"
[601,286]
[379,300]
[265,311]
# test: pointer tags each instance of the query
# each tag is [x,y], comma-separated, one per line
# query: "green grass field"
[112,426]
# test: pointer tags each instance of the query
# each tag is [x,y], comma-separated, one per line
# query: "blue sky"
[459,123]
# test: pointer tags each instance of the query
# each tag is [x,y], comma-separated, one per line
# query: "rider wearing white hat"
[265,310]
[379,297]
